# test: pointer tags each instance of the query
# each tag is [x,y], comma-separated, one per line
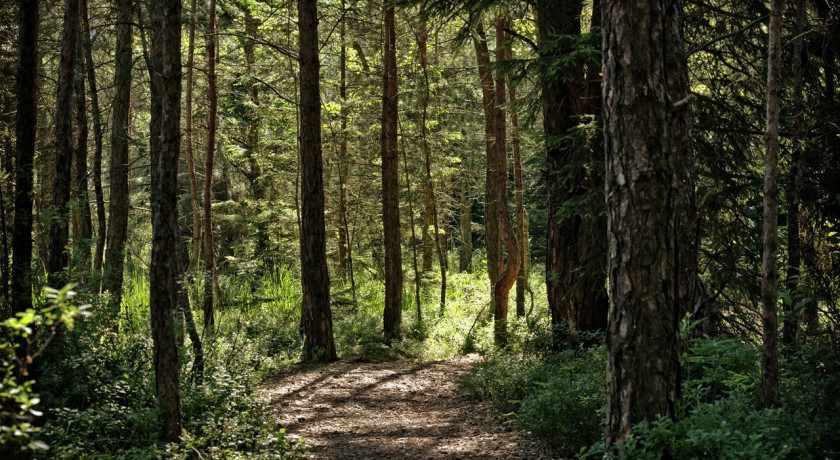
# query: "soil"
[392,410]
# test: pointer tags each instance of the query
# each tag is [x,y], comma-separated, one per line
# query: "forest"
[419,229]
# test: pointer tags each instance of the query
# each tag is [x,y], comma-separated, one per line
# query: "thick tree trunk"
[119,201]
[59,230]
[791,324]
[97,139]
[25,124]
[491,220]
[574,259]
[504,282]
[642,342]
[210,284]
[318,342]
[195,248]
[83,230]
[163,273]
[390,182]
[769,270]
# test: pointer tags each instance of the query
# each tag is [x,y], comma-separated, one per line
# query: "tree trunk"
[318,342]
[390,182]
[519,203]
[209,152]
[491,220]
[343,232]
[791,324]
[59,230]
[465,255]
[417,301]
[97,138]
[642,342]
[574,251]
[119,201]
[502,286]
[431,202]
[25,126]
[163,273]
[80,187]
[188,141]
[769,270]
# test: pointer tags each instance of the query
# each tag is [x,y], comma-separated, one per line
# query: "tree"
[769,270]
[119,202]
[390,180]
[211,284]
[510,272]
[195,248]
[318,342]
[165,74]
[25,124]
[642,352]
[59,229]
[82,223]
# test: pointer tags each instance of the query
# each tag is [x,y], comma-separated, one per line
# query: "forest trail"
[392,410]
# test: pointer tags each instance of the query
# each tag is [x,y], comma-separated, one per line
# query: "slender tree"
[390,181]
[465,220]
[318,344]
[165,74]
[211,286]
[59,229]
[769,269]
[195,248]
[82,223]
[791,324]
[642,352]
[119,203]
[519,205]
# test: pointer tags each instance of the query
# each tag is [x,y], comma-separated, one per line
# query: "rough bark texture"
[97,139]
[83,225]
[791,324]
[209,153]
[59,229]
[769,269]
[519,205]
[195,249]
[642,351]
[491,220]
[574,258]
[163,272]
[504,282]
[119,201]
[318,342]
[25,124]
[390,181]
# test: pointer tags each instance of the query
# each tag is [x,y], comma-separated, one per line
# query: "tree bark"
[210,285]
[519,204]
[318,342]
[491,220]
[188,143]
[84,231]
[642,342]
[505,281]
[163,272]
[344,250]
[119,202]
[25,127]
[101,226]
[390,182]
[59,229]
[769,269]
[791,324]
[465,255]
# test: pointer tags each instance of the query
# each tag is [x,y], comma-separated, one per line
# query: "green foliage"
[30,332]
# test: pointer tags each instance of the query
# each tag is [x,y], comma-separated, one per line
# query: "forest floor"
[392,410]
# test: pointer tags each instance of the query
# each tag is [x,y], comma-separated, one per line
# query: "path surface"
[394,410]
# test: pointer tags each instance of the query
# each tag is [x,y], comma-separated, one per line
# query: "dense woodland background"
[194,196]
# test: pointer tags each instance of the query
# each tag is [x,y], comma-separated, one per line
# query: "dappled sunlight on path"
[394,410]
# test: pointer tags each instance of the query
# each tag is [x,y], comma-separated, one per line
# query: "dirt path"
[392,410]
